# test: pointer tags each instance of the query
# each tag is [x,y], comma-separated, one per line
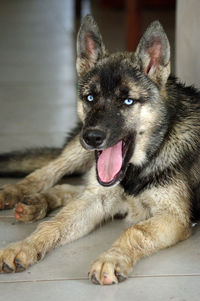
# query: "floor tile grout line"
[87,279]
[45,280]
[165,275]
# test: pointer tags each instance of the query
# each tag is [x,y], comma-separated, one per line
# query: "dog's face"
[120,99]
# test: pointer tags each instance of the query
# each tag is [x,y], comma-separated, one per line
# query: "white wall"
[188,41]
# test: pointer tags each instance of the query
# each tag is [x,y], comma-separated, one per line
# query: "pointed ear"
[90,47]
[153,52]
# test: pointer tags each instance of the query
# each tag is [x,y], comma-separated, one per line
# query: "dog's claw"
[19,267]
[94,279]
[120,277]
[39,256]
[6,268]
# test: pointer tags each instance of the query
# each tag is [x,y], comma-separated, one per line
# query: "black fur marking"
[39,256]
[134,183]
[190,92]
[13,174]
[111,75]
[110,79]
[120,215]
[124,93]
[195,205]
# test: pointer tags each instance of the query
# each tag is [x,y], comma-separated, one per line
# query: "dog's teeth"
[99,153]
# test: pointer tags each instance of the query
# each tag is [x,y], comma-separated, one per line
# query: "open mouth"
[111,163]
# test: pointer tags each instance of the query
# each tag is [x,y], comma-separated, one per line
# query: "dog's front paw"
[31,208]
[17,257]
[109,268]
[9,196]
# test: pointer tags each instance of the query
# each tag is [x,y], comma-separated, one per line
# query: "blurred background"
[37,57]
[122,22]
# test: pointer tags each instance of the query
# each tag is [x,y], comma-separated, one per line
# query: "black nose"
[94,137]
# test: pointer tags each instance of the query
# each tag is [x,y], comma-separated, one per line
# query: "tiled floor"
[37,96]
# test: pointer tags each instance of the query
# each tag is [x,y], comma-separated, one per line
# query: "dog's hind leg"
[23,162]
[36,207]
[73,159]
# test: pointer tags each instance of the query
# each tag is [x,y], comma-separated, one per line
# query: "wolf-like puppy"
[138,140]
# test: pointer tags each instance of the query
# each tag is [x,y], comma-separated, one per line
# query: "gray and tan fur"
[129,106]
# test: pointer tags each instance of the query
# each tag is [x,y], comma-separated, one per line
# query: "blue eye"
[128,101]
[90,98]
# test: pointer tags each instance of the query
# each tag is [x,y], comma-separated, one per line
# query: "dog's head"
[121,99]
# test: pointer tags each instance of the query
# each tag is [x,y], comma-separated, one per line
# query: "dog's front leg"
[166,223]
[134,243]
[75,220]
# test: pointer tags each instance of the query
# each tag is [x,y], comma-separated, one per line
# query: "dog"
[138,142]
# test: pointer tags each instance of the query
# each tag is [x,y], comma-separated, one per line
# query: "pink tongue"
[110,162]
